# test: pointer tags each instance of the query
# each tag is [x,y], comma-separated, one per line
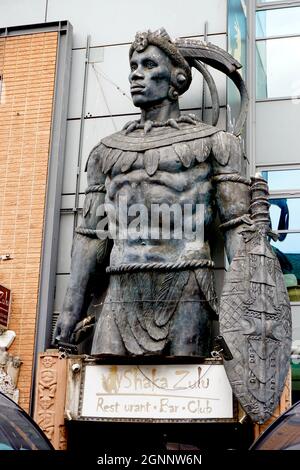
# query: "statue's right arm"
[231,189]
[87,250]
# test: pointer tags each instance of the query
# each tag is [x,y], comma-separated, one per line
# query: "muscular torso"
[183,195]
[169,173]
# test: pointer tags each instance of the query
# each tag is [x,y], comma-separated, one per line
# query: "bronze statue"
[160,298]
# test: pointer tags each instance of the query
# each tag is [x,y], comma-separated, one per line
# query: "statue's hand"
[65,326]
[70,315]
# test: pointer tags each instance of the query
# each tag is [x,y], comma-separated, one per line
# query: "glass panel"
[284,436]
[285,214]
[288,253]
[280,180]
[277,78]
[237,47]
[279,22]
[16,430]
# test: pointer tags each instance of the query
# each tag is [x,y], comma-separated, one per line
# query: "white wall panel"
[76,83]
[117,21]
[81,200]
[61,287]
[277,128]
[22,12]
[109,68]
[108,81]
[67,201]
[71,157]
[65,243]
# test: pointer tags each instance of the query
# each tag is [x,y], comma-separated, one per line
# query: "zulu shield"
[255,316]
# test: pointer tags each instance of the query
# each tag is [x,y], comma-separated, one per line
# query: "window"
[284,188]
[277,53]
[278,22]
[237,47]
[288,254]
[285,213]
[283,180]
[278,78]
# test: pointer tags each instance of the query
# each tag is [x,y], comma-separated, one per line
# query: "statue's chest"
[172,159]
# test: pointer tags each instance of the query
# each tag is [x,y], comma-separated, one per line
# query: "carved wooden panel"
[50,397]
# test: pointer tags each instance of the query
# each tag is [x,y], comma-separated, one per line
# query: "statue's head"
[158,70]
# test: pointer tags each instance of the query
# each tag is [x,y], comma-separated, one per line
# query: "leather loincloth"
[144,303]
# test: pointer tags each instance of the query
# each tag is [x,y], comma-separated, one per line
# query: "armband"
[232,177]
[243,219]
[96,188]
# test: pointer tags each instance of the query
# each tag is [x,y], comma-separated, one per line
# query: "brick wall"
[27,64]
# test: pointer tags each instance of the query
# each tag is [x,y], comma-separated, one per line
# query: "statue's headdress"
[187,53]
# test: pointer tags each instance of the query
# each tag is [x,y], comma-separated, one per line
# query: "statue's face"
[150,77]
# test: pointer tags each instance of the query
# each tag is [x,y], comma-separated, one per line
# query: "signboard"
[181,393]
[5,300]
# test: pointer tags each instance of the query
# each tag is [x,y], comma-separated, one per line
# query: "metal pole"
[81,132]
[251,82]
[203,81]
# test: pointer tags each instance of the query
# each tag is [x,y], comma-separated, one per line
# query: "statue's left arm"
[232,189]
